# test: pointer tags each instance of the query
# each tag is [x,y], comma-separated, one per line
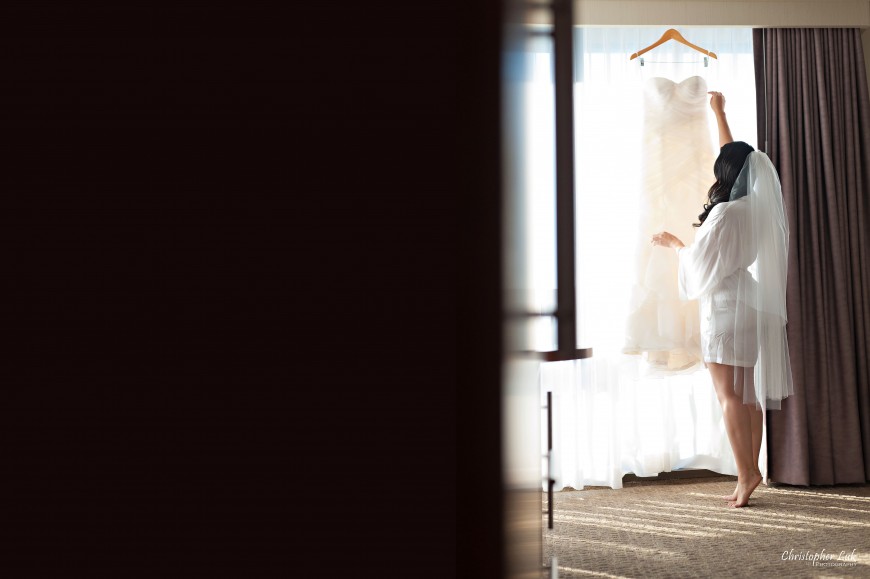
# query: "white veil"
[760,317]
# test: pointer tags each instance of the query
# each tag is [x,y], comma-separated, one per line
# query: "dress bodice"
[686,96]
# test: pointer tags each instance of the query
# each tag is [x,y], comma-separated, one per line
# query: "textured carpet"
[681,528]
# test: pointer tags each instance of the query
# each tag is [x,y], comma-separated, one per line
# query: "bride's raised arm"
[717,103]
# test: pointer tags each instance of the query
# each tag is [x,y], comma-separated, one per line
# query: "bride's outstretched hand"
[666,239]
[717,102]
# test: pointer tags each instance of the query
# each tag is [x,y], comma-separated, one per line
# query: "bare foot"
[733,496]
[744,490]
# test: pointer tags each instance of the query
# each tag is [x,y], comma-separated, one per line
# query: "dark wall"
[480,496]
[229,265]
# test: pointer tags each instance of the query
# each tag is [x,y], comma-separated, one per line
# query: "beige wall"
[755,13]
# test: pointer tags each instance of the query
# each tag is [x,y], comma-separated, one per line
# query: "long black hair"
[728,164]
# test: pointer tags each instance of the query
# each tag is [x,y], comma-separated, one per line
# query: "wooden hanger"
[672,34]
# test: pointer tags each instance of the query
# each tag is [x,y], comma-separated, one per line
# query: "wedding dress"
[677,172]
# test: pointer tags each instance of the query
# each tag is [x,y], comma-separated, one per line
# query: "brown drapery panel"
[814,124]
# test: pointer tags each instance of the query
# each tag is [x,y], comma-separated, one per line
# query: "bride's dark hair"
[726,169]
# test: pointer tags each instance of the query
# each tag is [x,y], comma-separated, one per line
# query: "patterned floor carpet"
[681,528]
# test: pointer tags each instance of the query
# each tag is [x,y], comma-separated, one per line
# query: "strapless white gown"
[677,172]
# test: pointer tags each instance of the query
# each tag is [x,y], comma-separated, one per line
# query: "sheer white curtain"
[611,417]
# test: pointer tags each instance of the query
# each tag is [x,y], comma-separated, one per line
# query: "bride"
[736,269]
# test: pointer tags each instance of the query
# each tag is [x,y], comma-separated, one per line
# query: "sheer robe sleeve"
[716,253]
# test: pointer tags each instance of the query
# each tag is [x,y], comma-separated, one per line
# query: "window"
[610,417]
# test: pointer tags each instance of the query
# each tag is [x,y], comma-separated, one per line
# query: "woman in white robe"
[736,269]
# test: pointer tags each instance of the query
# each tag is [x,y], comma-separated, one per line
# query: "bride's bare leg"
[738,425]
[756,417]
[756,421]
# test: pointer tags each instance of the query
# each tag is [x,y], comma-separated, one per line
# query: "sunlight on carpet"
[682,528]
